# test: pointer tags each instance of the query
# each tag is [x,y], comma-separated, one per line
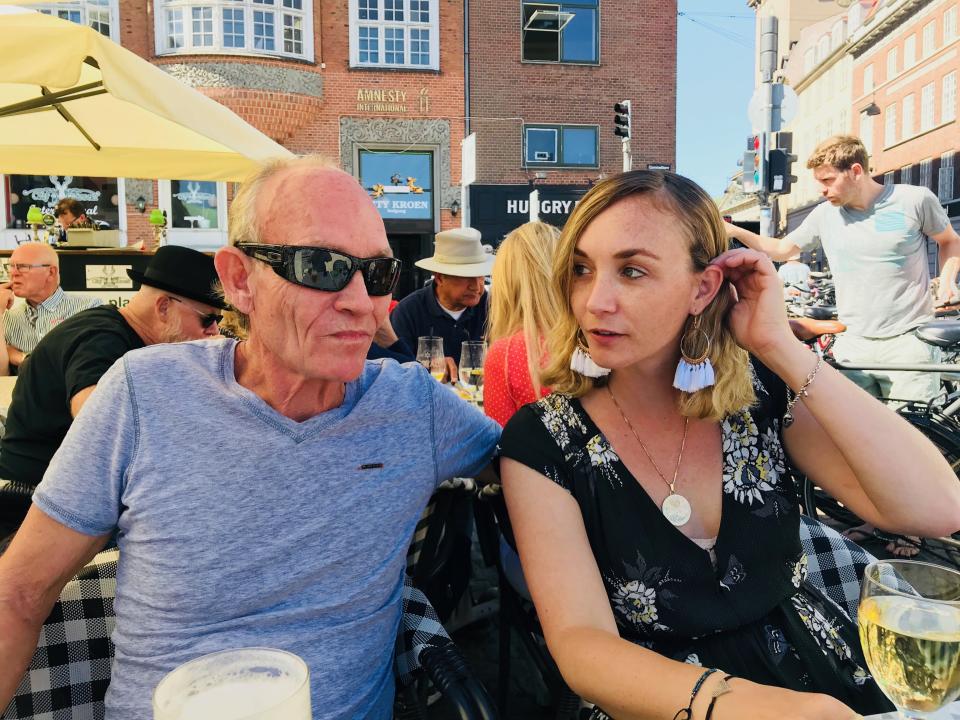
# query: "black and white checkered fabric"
[834,564]
[70,670]
[420,628]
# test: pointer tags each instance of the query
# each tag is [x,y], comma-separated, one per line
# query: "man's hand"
[452,372]
[16,356]
[6,296]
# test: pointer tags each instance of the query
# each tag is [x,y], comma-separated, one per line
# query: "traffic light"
[754,164]
[780,161]
[621,119]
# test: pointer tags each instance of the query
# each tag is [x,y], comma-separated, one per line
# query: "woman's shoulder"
[551,418]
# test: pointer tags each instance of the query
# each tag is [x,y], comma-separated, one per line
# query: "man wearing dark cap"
[177,301]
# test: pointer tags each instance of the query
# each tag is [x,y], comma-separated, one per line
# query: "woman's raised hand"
[758,320]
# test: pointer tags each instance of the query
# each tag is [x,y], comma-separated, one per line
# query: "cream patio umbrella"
[73,102]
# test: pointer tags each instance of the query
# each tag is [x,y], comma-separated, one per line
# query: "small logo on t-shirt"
[890,221]
[371,466]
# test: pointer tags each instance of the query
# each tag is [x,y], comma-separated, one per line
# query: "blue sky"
[715,60]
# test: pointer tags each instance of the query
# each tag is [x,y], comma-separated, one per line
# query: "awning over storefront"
[495,210]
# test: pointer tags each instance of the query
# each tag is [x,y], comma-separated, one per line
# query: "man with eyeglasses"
[34,270]
[296,540]
[177,301]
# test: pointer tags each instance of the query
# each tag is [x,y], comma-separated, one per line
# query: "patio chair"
[70,671]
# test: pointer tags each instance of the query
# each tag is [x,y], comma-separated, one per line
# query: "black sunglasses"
[324,269]
[206,319]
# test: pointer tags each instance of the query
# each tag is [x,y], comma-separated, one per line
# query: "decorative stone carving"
[251,76]
[133,188]
[393,131]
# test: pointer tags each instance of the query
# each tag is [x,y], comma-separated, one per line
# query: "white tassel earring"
[581,362]
[694,372]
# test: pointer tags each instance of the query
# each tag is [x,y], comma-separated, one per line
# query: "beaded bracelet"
[802,392]
[722,688]
[687,712]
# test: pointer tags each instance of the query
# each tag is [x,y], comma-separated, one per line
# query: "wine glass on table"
[430,355]
[909,620]
[242,684]
[472,355]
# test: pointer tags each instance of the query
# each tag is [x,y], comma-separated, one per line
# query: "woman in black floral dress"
[658,527]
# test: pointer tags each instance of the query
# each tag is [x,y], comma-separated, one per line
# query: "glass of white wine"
[472,355]
[430,355]
[241,684]
[909,620]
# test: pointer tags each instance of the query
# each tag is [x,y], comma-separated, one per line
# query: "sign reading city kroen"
[392,101]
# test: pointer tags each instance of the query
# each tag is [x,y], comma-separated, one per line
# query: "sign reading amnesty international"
[392,101]
[399,183]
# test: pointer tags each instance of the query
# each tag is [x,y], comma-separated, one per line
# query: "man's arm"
[949,244]
[43,556]
[77,401]
[778,249]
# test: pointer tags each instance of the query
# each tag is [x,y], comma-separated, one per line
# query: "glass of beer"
[430,355]
[242,684]
[909,622]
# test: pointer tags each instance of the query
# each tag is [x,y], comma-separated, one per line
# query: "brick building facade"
[541,100]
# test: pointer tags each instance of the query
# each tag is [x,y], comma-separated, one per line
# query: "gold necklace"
[675,507]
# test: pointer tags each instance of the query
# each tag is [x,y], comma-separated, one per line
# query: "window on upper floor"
[892,60]
[927,119]
[910,51]
[255,27]
[101,15]
[926,172]
[868,78]
[948,98]
[906,175]
[929,39]
[395,34]
[566,32]
[823,48]
[907,126]
[836,34]
[866,131]
[560,145]
[950,25]
[890,125]
[809,60]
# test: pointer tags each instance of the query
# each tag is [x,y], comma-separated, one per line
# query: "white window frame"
[908,126]
[945,177]
[910,51]
[888,178]
[197,238]
[868,78]
[433,26]
[948,97]
[893,57]
[890,125]
[950,25]
[927,115]
[866,131]
[558,129]
[906,175]
[929,38]
[926,172]
[249,7]
[85,7]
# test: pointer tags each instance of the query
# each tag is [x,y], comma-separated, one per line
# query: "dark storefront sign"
[495,210]
[97,195]
[401,187]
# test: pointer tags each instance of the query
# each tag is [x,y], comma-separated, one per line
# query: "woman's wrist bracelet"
[722,688]
[687,712]
[802,392]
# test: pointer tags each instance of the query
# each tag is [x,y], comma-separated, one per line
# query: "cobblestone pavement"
[528,698]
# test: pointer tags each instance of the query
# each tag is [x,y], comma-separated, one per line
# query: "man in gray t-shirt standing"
[263,492]
[874,237]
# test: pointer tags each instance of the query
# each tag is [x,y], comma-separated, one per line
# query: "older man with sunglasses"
[298,539]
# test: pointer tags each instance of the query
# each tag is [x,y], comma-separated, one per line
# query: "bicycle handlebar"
[938,367]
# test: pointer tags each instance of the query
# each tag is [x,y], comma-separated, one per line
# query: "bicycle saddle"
[942,333]
[807,329]
[821,312]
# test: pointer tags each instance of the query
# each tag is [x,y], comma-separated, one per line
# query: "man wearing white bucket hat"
[454,305]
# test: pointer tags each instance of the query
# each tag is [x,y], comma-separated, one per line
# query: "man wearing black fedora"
[177,301]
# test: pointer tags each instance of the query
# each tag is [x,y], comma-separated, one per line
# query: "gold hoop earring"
[694,373]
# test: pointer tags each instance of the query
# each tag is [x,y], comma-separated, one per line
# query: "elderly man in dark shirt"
[454,305]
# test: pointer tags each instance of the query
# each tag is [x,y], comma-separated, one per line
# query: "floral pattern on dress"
[559,418]
[753,464]
[602,457]
[827,635]
[635,595]
[799,573]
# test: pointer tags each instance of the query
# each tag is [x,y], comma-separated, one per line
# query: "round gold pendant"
[676,509]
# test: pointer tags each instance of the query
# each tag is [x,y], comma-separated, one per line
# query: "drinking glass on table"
[242,684]
[430,355]
[909,620]
[472,355]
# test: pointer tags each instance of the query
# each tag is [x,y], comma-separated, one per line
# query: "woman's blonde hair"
[699,221]
[524,297]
